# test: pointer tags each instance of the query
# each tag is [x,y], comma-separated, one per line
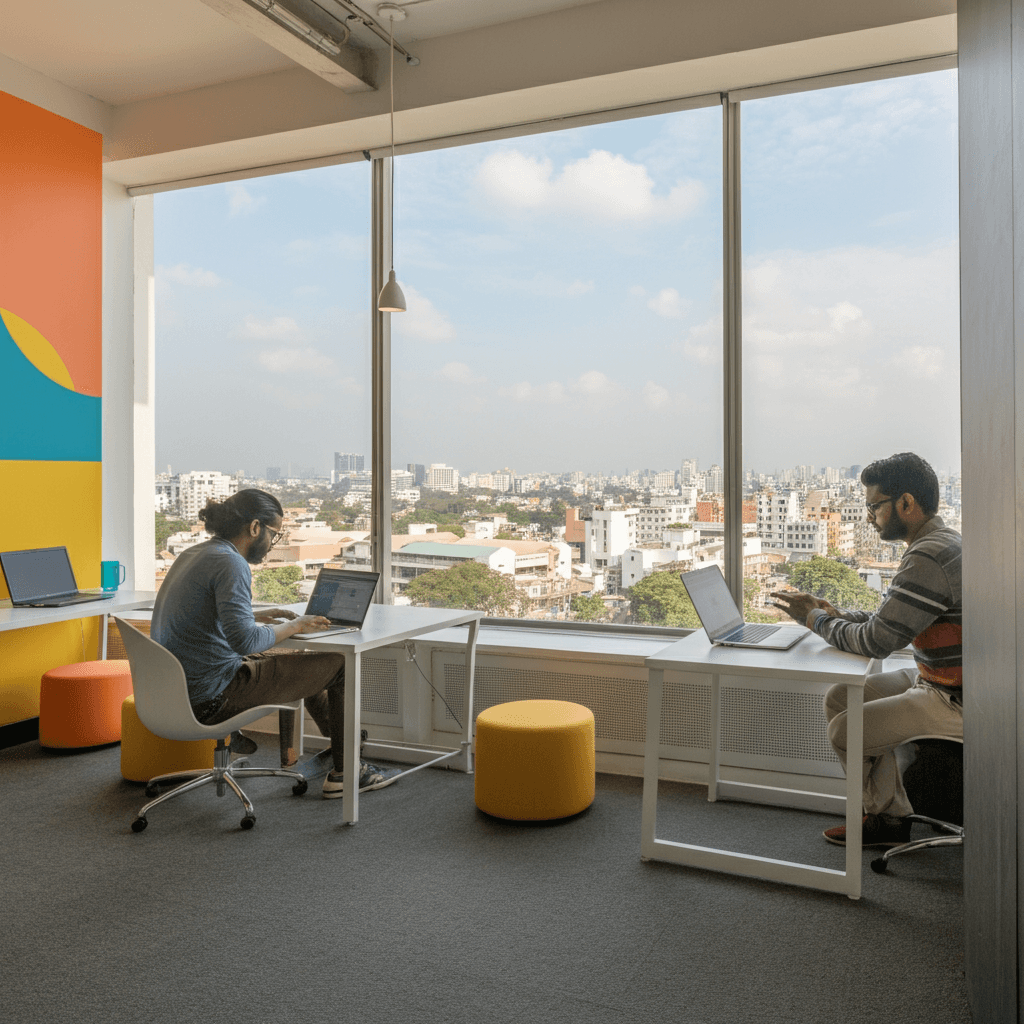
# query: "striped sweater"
[922,606]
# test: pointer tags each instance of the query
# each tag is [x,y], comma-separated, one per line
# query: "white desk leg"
[350,797]
[714,755]
[649,814]
[854,787]
[103,637]
[467,729]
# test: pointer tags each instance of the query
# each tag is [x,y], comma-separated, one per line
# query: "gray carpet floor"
[429,911]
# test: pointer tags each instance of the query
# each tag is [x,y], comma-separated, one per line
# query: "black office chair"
[935,785]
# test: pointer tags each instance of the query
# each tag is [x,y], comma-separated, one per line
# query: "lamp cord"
[391,47]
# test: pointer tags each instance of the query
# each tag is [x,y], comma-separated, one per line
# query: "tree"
[278,585]
[751,590]
[467,585]
[165,527]
[836,583]
[661,600]
[588,608]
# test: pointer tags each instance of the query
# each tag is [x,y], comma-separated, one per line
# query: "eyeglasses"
[876,505]
[276,534]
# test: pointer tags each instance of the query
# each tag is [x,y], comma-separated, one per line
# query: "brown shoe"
[877,831]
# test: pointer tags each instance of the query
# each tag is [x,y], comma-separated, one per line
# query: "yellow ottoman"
[145,755]
[534,760]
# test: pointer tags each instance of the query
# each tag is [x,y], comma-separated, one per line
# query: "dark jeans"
[280,677]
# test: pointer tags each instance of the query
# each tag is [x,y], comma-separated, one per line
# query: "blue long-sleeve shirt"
[203,616]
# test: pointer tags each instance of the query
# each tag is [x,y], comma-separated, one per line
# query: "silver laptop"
[344,596]
[721,618]
[43,578]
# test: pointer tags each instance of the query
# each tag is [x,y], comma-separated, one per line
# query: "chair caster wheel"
[139,824]
[152,791]
[879,865]
[248,821]
[300,787]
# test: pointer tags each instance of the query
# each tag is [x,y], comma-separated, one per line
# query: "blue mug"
[112,575]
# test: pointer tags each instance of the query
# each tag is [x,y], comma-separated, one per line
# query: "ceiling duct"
[313,33]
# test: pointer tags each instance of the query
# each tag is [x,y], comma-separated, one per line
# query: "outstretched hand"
[799,606]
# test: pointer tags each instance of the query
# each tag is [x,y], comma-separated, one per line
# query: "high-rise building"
[419,473]
[443,478]
[347,462]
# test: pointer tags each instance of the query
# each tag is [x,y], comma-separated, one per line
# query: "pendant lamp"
[391,299]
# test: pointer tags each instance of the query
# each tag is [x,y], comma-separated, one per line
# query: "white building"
[806,537]
[610,531]
[774,510]
[197,488]
[443,478]
[653,519]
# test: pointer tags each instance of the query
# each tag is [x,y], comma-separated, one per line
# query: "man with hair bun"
[204,616]
[922,607]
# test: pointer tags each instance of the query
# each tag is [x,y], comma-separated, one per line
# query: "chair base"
[953,835]
[224,774]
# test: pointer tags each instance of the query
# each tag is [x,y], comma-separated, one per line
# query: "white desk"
[123,600]
[811,661]
[384,625]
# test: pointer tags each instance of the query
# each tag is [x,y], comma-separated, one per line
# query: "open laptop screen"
[342,596]
[712,599]
[38,573]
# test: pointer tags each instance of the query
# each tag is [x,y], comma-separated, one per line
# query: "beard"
[259,550]
[895,528]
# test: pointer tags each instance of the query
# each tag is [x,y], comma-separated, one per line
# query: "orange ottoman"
[144,755]
[80,705]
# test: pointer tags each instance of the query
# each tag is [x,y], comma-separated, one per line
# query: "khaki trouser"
[898,707]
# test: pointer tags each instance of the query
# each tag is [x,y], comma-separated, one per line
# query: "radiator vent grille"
[379,692]
[755,723]
[770,723]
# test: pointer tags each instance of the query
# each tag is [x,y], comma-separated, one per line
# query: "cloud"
[278,328]
[602,185]
[194,277]
[423,320]
[459,373]
[296,360]
[594,383]
[307,250]
[669,303]
[841,338]
[654,395]
[241,201]
[544,285]
[551,393]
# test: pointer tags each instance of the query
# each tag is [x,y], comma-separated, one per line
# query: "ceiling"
[164,47]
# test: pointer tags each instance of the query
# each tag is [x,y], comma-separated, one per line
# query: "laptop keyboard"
[751,633]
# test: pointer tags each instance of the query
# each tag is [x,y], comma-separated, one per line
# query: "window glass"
[850,320]
[263,362]
[557,379]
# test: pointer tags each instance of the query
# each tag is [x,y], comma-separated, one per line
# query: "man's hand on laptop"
[269,616]
[310,623]
[799,606]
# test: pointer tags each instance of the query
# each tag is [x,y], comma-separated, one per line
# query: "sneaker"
[877,831]
[370,777]
[241,744]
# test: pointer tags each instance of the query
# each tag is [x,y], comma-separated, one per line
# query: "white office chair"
[162,704]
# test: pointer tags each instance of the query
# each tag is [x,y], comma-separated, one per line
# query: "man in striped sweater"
[922,607]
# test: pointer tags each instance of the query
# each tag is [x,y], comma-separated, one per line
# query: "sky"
[564,295]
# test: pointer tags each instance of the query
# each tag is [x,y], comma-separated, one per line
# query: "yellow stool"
[534,760]
[145,755]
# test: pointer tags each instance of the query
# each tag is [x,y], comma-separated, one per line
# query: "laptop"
[43,578]
[343,596]
[721,618]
